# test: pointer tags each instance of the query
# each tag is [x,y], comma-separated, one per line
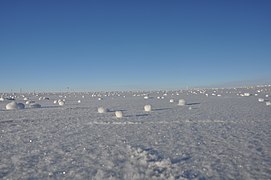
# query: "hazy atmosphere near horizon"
[129,45]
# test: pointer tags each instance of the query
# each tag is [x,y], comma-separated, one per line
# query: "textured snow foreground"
[217,134]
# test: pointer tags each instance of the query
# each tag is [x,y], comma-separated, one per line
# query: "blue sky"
[128,45]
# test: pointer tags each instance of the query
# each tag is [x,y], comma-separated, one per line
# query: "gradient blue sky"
[139,44]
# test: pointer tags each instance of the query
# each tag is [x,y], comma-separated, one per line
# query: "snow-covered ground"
[217,134]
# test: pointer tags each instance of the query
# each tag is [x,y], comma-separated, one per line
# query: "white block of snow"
[181,102]
[147,108]
[118,114]
[12,105]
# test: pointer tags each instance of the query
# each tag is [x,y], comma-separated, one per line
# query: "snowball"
[247,94]
[268,103]
[146,97]
[25,99]
[11,98]
[55,101]
[118,114]
[20,106]
[102,110]
[147,108]
[100,98]
[181,102]
[261,100]
[79,101]
[34,105]
[12,105]
[171,100]
[29,102]
[61,103]
[2,99]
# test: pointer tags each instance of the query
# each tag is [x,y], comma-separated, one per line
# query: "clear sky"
[132,44]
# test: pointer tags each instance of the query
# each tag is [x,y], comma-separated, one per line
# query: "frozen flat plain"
[214,137]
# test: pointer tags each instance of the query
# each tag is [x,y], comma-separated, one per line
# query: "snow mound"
[147,108]
[247,94]
[261,100]
[12,105]
[61,103]
[118,114]
[102,110]
[181,102]
[29,102]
